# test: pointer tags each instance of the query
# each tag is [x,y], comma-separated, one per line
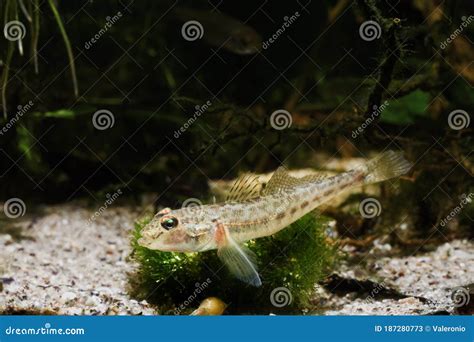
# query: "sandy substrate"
[67,266]
[431,283]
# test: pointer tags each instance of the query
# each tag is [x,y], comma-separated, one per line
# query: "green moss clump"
[296,258]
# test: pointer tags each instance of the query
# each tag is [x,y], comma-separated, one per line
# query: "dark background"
[151,79]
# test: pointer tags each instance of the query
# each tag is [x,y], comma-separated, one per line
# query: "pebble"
[93,301]
[67,297]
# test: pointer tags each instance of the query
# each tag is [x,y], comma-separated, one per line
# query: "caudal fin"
[387,165]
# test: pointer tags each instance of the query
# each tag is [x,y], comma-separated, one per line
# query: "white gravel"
[427,280]
[67,266]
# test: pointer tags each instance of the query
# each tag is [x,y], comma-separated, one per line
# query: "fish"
[253,211]
[221,30]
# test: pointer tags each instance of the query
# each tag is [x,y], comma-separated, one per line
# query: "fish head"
[180,230]
[244,41]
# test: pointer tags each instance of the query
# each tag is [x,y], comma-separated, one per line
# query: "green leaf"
[406,109]
[61,113]
[27,146]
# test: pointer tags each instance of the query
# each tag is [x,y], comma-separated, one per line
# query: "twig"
[393,52]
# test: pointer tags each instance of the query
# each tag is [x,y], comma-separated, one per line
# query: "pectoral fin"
[239,259]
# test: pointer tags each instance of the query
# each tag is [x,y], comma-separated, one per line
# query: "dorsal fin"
[281,181]
[244,188]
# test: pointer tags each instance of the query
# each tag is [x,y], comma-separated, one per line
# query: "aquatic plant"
[15,31]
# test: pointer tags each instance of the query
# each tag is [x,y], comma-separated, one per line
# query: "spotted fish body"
[265,216]
[251,213]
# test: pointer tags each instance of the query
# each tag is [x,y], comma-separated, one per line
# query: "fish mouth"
[154,245]
[143,242]
[150,244]
[148,237]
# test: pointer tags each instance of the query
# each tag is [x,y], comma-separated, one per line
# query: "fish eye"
[169,223]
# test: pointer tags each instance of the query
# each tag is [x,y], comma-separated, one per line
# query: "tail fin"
[387,165]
